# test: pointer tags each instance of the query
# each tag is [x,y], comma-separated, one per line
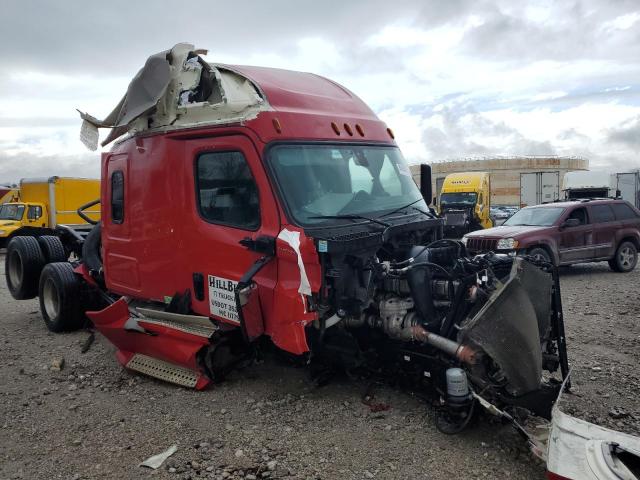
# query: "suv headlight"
[507,244]
[464,240]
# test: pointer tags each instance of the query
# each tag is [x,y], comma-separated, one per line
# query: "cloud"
[626,134]
[452,77]
[15,167]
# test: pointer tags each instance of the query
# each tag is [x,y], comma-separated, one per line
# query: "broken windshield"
[332,180]
[11,212]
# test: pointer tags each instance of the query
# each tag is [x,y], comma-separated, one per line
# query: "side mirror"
[425,181]
[570,222]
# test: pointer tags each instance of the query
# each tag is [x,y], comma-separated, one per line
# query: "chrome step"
[193,324]
[163,370]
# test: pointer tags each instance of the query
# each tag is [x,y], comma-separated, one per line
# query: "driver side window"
[580,214]
[227,193]
[34,212]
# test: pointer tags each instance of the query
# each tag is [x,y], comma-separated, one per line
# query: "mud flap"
[153,347]
[248,302]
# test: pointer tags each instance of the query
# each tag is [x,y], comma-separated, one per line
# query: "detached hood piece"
[177,89]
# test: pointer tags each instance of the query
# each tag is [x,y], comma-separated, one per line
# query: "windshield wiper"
[348,216]
[403,207]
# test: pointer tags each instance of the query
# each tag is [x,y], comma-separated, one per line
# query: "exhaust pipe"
[464,353]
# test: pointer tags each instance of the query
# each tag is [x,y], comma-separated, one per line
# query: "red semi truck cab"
[183,209]
[246,203]
[240,203]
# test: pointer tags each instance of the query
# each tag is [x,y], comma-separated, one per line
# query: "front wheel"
[540,254]
[61,297]
[625,259]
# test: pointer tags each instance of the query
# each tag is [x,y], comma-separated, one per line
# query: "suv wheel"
[540,254]
[625,259]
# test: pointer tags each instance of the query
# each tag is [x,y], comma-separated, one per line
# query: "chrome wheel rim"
[15,270]
[626,257]
[51,299]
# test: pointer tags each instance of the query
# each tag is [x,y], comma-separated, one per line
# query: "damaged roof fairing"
[178,89]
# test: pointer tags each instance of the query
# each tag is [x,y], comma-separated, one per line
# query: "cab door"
[232,220]
[35,217]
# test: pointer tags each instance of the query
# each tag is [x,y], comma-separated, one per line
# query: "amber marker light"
[276,125]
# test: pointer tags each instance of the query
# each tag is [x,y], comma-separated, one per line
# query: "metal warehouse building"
[505,172]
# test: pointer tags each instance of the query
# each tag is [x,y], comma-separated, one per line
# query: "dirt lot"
[92,419]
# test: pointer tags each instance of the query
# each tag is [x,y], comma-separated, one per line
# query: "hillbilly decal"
[222,298]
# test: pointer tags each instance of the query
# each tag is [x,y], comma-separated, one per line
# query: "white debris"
[157,460]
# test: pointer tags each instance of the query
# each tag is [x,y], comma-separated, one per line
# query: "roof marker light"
[276,125]
[335,128]
[359,130]
[348,129]
[390,132]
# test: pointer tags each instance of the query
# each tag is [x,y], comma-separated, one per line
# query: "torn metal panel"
[508,327]
[177,89]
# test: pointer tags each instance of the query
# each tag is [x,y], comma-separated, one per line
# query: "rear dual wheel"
[52,249]
[61,295]
[23,264]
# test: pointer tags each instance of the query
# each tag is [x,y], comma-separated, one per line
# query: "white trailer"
[539,187]
[587,184]
[628,187]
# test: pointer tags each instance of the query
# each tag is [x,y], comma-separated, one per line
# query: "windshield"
[458,198]
[330,180]
[538,217]
[11,212]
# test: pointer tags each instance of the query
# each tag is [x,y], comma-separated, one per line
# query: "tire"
[625,259]
[22,266]
[52,249]
[61,298]
[542,254]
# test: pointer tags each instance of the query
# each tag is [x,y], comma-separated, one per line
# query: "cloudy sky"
[453,78]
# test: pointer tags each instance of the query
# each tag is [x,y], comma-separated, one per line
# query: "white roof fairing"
[177,89]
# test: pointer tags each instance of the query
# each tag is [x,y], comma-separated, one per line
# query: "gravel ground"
[92,419]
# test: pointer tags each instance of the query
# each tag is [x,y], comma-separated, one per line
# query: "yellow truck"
[465,203]
[45,203]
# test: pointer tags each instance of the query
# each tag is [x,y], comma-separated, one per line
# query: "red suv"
[568,232]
